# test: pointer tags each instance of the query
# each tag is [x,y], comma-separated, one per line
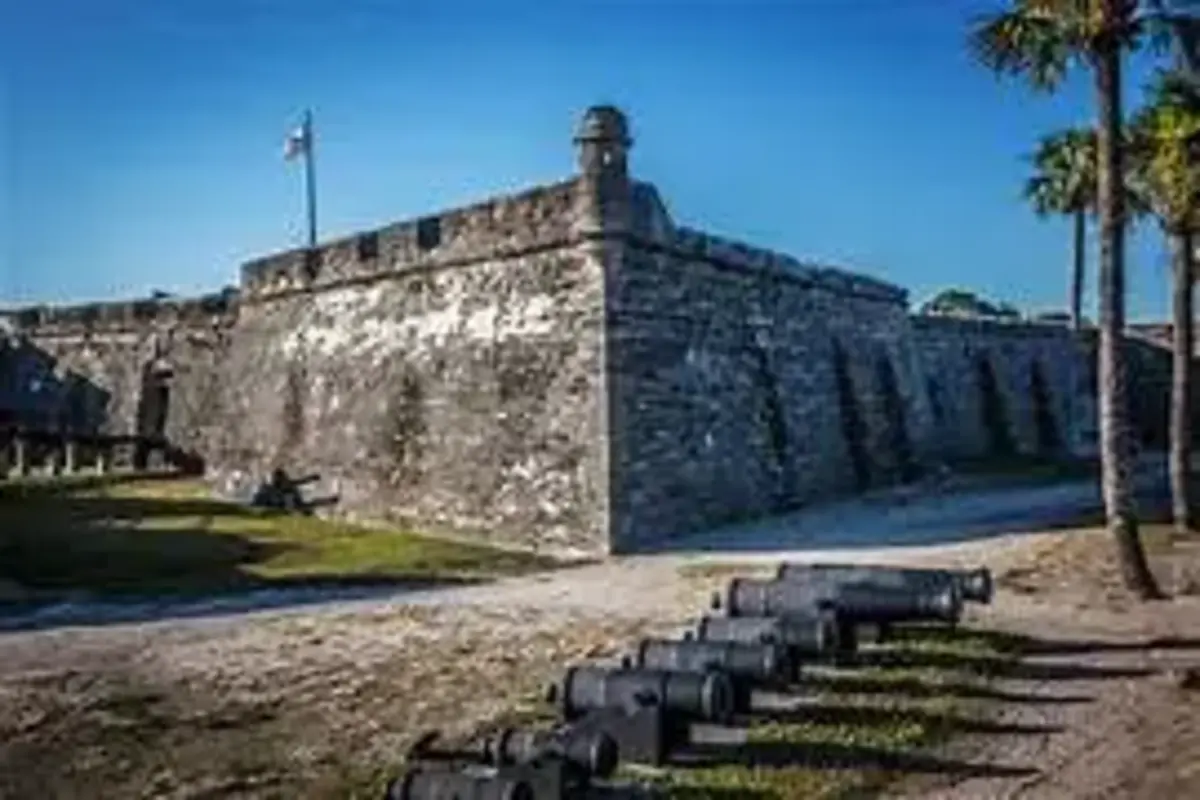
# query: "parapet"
[984,326]
[500,226]
[653,227]
[127,315]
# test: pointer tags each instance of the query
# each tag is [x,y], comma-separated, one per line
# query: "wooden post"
[20,456]
[70,456]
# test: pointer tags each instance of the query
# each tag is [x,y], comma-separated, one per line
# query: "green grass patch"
[169,536]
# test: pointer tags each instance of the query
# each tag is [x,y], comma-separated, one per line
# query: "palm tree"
[1165,172]
[1040,40]
[1064,182]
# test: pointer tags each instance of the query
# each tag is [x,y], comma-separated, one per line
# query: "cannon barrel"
[590,752]
[706,696]
[757,662]
[749,597]
[422,784]
[817,634]
[973,584]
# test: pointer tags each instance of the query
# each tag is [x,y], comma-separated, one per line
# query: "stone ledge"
[1015,329]
[123,316]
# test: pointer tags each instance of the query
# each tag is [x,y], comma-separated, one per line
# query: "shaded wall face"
[725,394]
[464,398]
[1001,390]
[1150,374]
[94,381]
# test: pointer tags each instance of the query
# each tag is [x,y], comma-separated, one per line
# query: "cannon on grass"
[555,764]
[817,635]
[858,603]
[703,697]
[974,585]
[648,712]
[443,783]
[748,664]
[588,754]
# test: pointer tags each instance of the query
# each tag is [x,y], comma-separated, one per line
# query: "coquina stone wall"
[999,388]
[446,373]
[744,383]
[567,368]
[146,367]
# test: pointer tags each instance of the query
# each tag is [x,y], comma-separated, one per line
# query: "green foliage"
[1165,152]
[1064,178]
[960,302]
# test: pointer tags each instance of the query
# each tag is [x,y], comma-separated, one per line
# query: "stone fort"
[568,367]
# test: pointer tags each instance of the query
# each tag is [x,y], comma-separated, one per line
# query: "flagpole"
[310,180]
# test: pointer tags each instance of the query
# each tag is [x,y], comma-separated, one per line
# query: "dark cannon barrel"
[817,634]
[758,662]
[706,696]
[591,752]
[750,597]
[421,784]
[973,584]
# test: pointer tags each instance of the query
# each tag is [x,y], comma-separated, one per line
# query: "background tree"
[1040,40]
[1165,173]
[963,303]
[1064,182]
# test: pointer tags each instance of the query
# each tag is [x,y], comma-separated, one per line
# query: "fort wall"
[724,379]
[96,367]
[452,382]
[997,388]
[565,368]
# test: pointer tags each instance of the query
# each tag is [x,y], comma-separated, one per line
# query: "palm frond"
[1064,173]
[1164,150]
[1020,44]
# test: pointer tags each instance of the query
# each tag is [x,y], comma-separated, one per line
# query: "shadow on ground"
[863,716]
[919,689]
[828,755]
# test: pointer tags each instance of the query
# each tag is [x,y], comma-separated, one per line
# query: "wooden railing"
[25,452]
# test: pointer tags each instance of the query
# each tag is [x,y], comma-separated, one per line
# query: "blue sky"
[140,140]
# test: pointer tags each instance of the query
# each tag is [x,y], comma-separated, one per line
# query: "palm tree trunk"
[1077,270]
[1116,443]
[1181,378]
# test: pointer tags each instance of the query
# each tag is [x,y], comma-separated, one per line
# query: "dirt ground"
[1111,686]
[311,702]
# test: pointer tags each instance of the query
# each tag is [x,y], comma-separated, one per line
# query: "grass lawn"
[169,536]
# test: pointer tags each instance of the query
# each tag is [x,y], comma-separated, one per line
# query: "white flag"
[296,143]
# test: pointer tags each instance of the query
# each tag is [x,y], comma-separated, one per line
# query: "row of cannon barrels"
[642,709]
